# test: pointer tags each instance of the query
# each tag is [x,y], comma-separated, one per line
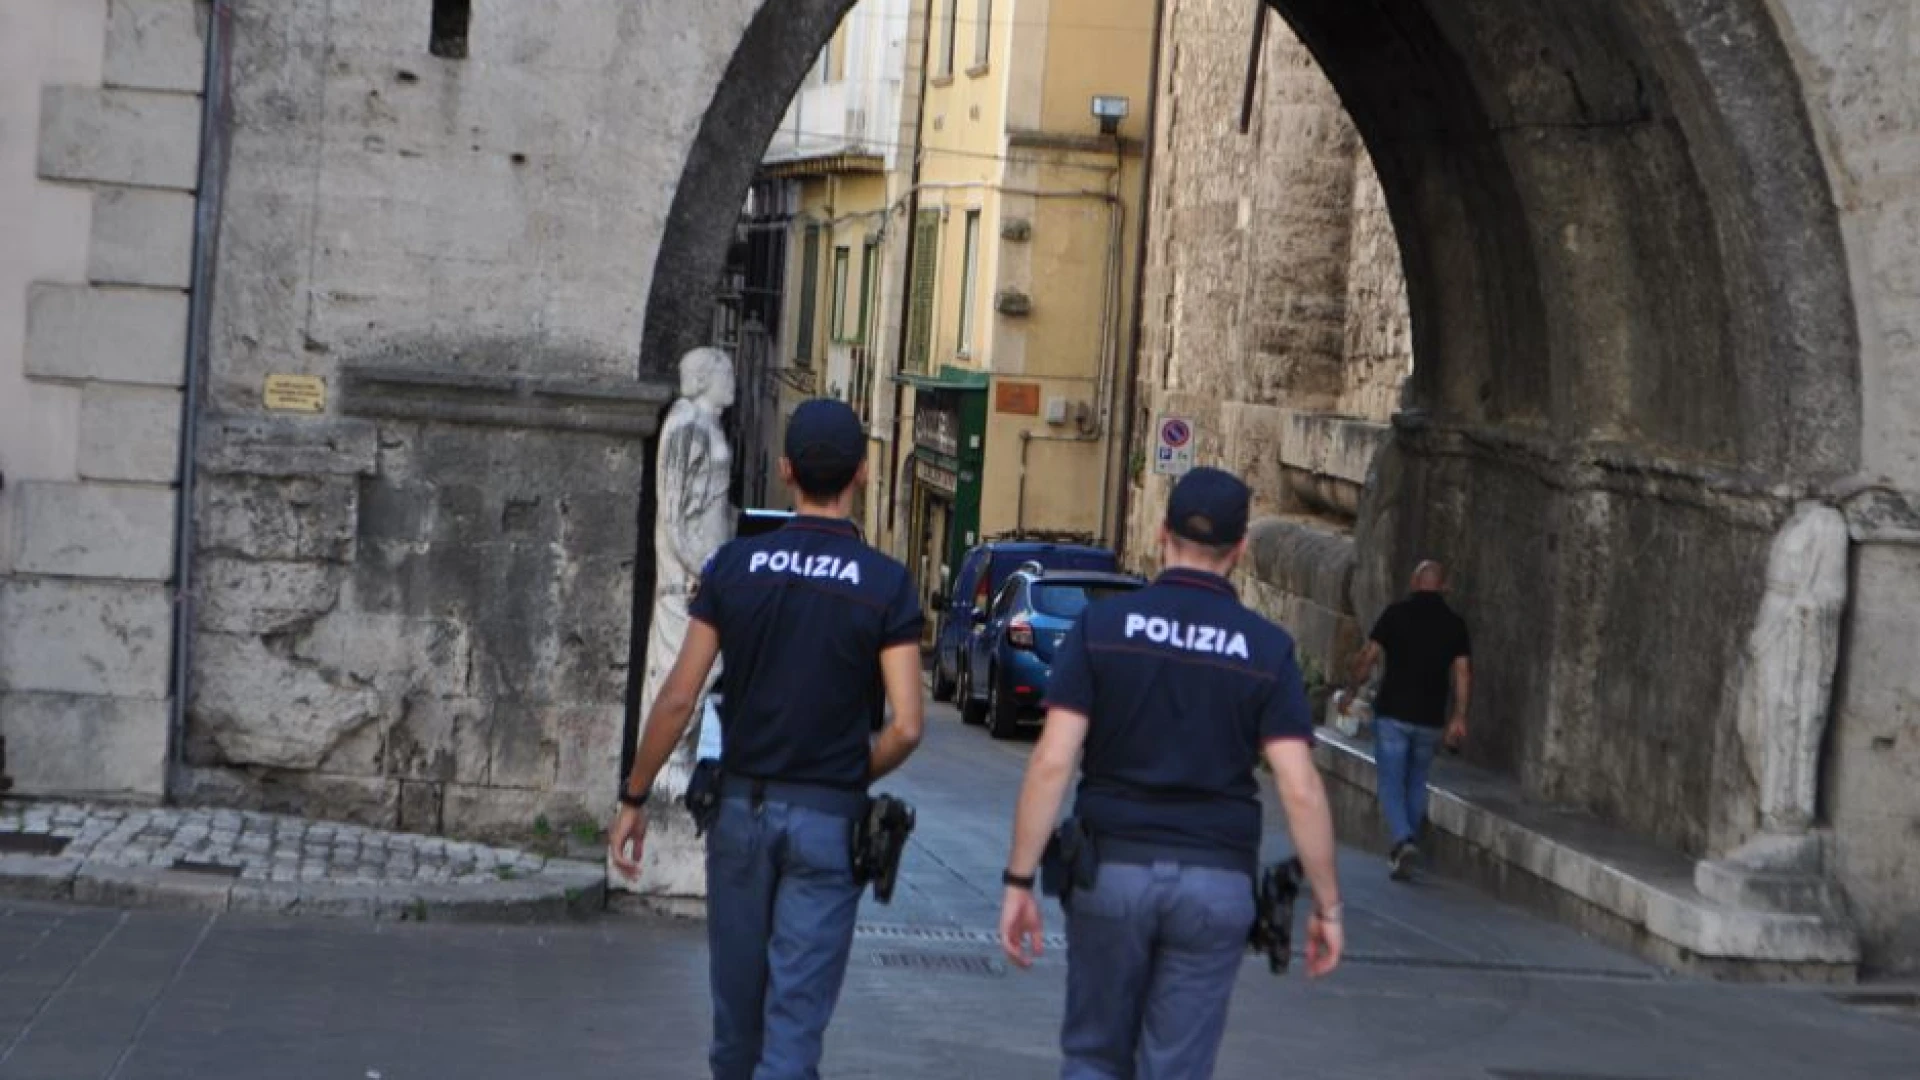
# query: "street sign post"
[1173,446]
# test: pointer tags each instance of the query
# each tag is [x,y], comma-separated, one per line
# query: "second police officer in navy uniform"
[1173,692]
[813,623]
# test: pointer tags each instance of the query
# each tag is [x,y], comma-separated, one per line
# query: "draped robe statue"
[691,477]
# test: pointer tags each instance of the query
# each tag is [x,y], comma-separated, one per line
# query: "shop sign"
[935,477]
[937,429]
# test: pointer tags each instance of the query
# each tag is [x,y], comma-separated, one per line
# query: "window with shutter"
[926,251]
[982,35]
[809,293]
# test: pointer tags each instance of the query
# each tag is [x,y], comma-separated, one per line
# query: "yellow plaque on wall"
[296,393]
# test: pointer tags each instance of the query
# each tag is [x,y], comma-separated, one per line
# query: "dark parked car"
[1011,658]
[982,573]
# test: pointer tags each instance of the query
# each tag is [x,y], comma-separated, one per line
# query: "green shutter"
[926,262]
[809,292]
[869,260]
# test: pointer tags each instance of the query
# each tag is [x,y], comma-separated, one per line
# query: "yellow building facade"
[1024,209]
[829,331]
[820,213]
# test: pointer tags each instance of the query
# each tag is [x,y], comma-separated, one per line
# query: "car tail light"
[1020,635]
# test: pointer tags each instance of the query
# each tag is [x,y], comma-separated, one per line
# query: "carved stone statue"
[691,477]
[1787,681]
[1784,697]
[694,519]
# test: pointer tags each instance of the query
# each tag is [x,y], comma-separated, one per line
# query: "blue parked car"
[982,573]
[1013,652]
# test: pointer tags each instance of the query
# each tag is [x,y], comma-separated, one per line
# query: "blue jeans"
[781,901]
[1152,952]
[1403,755]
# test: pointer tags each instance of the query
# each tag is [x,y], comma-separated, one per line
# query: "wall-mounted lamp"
[1109,110]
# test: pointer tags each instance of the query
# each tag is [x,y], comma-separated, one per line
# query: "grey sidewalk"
[1442,983]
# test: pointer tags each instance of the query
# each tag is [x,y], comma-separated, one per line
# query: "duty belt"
[840,802]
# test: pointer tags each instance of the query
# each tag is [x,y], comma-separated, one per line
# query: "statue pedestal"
[673,863]
[1780,873]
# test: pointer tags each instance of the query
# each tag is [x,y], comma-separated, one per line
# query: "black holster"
[703,795]
[1275,891]
[879,840]
[1070,862]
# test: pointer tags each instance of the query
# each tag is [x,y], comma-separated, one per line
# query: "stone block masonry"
[141,237]
[418,616]
[84,637]
[156,45]
[120,137]
[129,433]
[110,334]
[87,565]
[94,530]
[1274,315]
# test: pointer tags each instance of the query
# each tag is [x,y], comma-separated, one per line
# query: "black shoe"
[1400,860]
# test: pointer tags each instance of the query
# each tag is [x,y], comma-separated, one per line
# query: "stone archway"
[1636,350]
[1635,346]
[777,48]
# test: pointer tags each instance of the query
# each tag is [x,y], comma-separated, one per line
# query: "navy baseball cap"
[1209,506]
[824,436]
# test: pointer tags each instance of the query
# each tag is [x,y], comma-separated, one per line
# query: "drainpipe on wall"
[895,469]
[214,129]
[1123,442]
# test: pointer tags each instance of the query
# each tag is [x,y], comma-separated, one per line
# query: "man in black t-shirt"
[1428,659]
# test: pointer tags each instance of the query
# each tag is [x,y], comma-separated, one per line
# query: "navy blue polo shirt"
[1182,687]
[803,613]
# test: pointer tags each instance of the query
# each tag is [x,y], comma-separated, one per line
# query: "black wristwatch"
[1015,881]
[628,798]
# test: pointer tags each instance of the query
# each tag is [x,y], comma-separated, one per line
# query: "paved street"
[1441,983]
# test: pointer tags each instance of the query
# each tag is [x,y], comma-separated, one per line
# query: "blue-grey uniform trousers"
[1152,952]
[781,901]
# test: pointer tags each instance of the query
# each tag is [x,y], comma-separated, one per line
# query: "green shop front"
[949,447]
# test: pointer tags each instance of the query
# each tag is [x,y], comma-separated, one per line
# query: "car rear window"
[1066,600]
[1005,563]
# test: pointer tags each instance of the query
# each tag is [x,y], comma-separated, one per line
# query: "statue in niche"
[1787,682]
[691,475]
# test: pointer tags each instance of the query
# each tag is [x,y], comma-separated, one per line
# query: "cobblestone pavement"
[261,847]
[1441,984]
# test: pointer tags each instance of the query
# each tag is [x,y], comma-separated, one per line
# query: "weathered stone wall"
[410,621]
[1379,346]
[1640,340]
[414,607]
[1275,314]
[1859,70]
[99,151]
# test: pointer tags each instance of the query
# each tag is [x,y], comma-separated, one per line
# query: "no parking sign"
[1173,446]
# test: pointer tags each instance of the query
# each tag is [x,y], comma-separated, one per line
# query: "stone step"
[1600,879]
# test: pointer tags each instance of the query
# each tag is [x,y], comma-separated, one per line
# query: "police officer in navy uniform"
[813,624]
[1173,692]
